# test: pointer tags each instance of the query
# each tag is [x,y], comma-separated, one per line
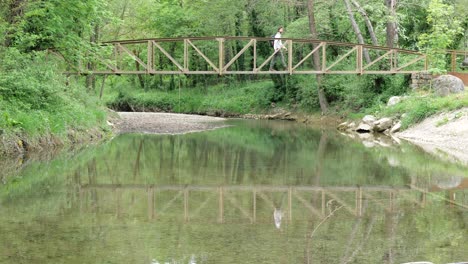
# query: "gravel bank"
[163,123]
[444,135]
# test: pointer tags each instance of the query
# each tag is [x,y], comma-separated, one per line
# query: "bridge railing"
[246,55]
[458,60]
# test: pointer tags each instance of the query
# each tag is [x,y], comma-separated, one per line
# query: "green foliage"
[56,24]
[35,100]
[444,28]
[218,100]
[8,121]
[70,28]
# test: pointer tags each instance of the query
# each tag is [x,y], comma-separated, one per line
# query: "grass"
[420,105]
[215,100]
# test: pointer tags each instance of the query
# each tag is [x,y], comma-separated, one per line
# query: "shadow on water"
[256,192]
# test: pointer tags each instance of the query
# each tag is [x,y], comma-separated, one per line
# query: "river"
[253,192]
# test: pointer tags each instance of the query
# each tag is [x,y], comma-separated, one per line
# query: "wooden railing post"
[426,63]
[117,56]
[186,55]
[324,57]
[454,61]
[149,63]
[290,56]
[221,55]
[255,56]
[359,60]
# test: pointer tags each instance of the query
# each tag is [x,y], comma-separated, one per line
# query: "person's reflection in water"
[277,216]
[192,260]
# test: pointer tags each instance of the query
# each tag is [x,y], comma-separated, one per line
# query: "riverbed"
[249,191]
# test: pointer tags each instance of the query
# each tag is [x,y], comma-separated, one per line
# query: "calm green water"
[255,192]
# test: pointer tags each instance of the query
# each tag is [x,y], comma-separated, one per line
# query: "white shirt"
[278,44]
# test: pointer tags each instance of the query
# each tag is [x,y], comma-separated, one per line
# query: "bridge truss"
[246,55]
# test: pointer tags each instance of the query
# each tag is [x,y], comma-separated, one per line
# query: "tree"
[444,28]
[357,30]
[392,29]
[368,22]
[316,58]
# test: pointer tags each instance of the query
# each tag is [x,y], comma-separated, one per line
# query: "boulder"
[394,100]
[396,127]
[364,128]
[368,144]
[444,181]
[366,137]
[393,161]
[447,84]
[347,126]
[383,124]
[343,126]
[351,126]
[369,119]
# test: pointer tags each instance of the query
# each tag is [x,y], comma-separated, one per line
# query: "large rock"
[447,84]
[343,126]
[394,100]
[396,127]
[364,128]
[346,126]
[383,124]
[369,119]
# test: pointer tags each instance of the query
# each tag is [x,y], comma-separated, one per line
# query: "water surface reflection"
[257,192]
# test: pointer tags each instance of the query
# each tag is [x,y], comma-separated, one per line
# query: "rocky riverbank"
[445,135]
[164,123]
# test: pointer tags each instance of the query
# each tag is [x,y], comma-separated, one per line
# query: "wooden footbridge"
[248,55]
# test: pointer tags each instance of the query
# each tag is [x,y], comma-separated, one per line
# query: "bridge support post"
[221,206]
[221,55]
[359,202]
[186,55]
[255,56]
[359,61]
[290,57]
[254,205]
[150,54]
[454,61]
[324,57]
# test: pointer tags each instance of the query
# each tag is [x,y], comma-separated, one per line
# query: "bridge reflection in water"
[255,203]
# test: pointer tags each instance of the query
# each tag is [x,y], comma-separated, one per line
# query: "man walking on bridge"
[278,45]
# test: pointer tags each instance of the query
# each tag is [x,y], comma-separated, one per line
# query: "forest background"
[38,101]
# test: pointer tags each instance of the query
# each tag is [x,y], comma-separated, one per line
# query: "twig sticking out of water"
[324,220]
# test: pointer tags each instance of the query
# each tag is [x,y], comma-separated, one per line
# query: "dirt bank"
[163,123]
[444,135]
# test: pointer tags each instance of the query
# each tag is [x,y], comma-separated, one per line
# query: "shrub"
[35,99]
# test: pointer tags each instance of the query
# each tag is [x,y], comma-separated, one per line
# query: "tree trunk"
[370,28]
[91,78]
[14,13]
[392,36]
[357,30]
[316,58]
[122,17]
[139,76]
